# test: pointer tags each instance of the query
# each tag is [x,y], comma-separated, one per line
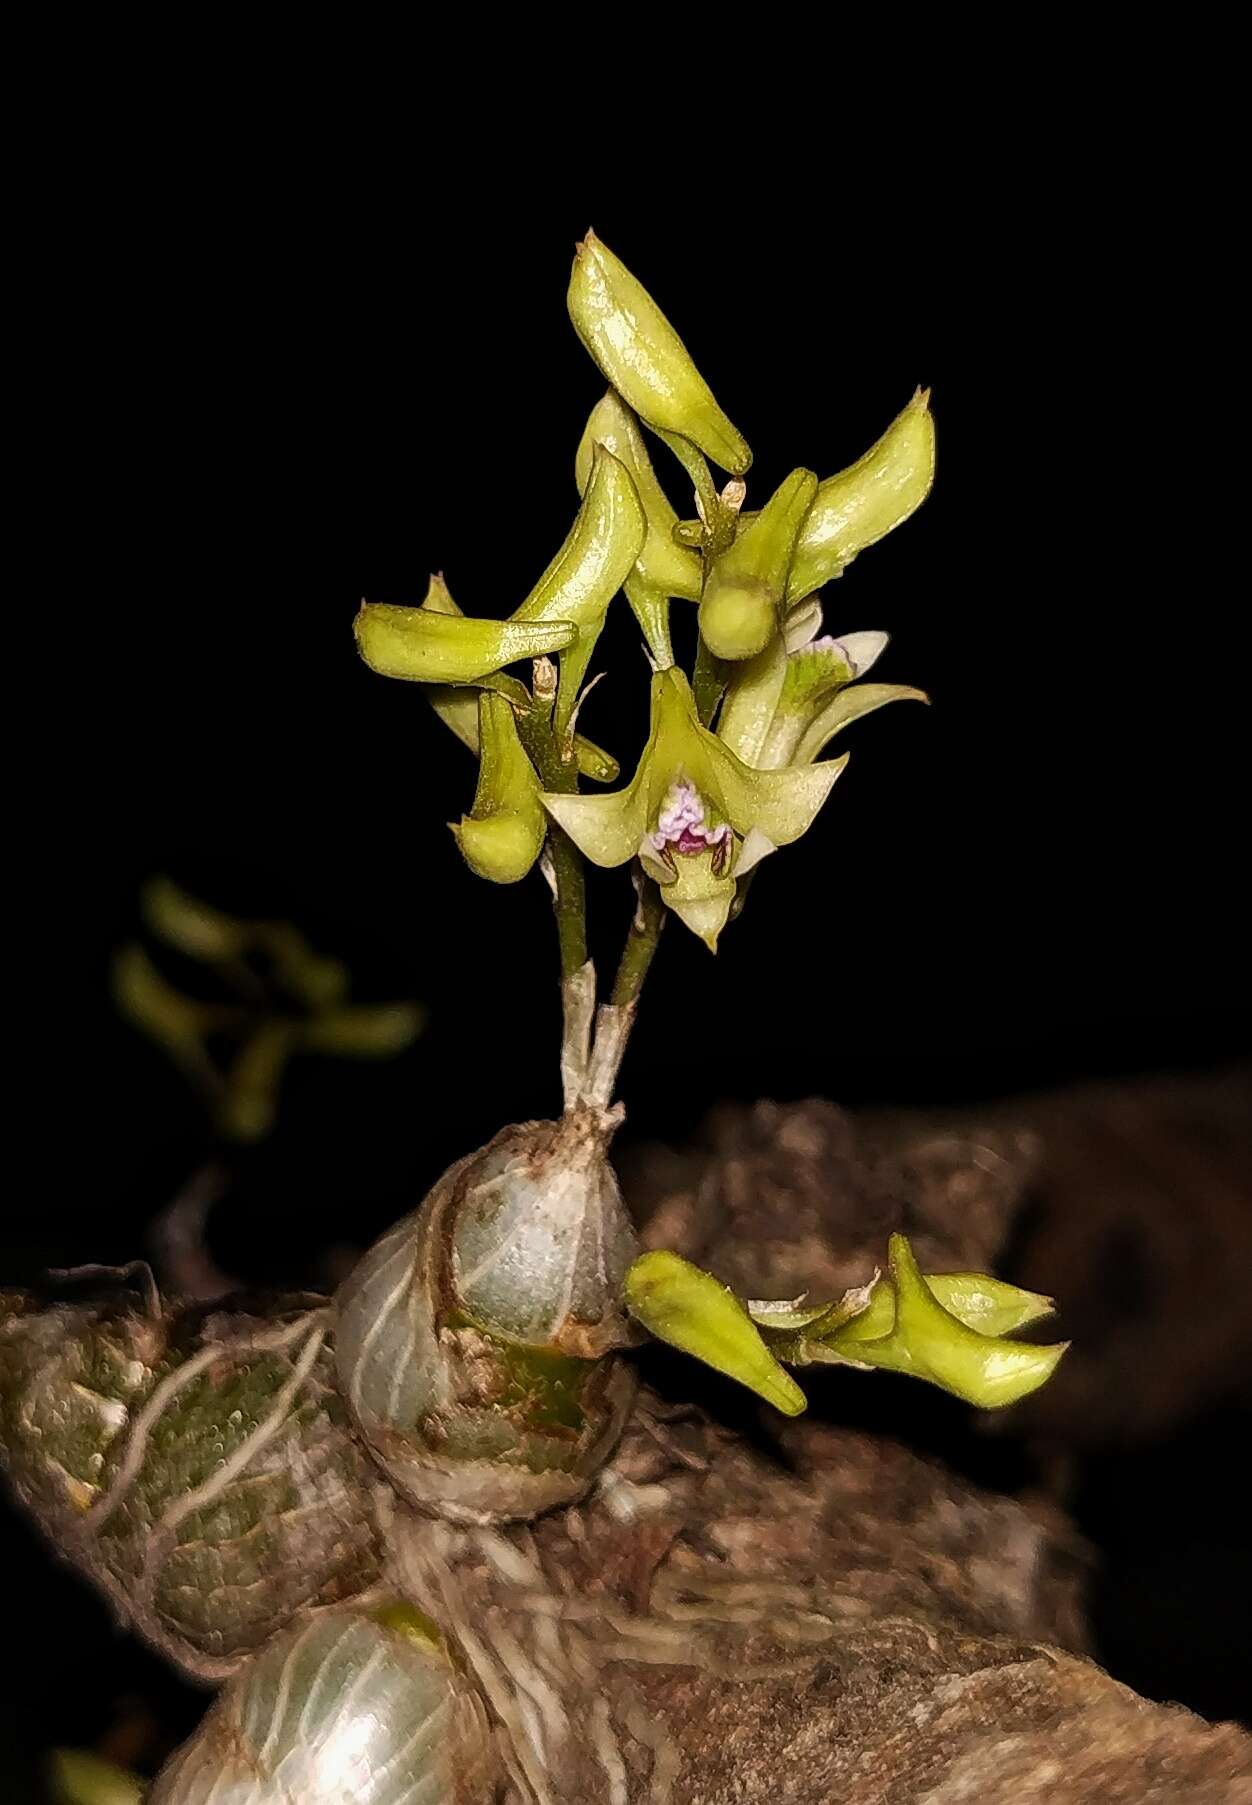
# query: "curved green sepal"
[503,833]
[739,609]
[687,1307]
[848,706]
[424,646]
[662,565]
[598,553]
[644,358]
[866,501]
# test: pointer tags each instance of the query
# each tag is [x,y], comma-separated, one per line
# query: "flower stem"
[570,901]
[641,944]
[557,774]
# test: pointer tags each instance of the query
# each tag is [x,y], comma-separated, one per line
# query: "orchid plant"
[733,770]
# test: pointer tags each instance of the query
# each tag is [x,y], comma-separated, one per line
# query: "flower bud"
[743,593]
[644,358]
[689,1308]
[866,501]
[503,833]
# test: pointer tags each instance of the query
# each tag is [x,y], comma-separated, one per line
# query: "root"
[258,1341]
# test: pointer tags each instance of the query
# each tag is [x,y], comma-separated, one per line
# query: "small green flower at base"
[947,1328]
[730,814]
[503,834]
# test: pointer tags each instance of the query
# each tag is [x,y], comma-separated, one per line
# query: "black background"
[271,384]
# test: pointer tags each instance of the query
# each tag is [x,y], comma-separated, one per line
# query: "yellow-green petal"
[643,357]
[426,647]
[752,696]
[689,1308]
[606,829]
[849,705]
[866,501]
[780,804]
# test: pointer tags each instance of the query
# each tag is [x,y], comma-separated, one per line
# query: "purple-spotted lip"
[681,824]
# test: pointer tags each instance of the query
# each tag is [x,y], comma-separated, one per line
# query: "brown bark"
[822,1617]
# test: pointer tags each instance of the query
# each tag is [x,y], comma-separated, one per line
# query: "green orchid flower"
[784,706]
[694,813]
[950,1329]
[950,1347]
